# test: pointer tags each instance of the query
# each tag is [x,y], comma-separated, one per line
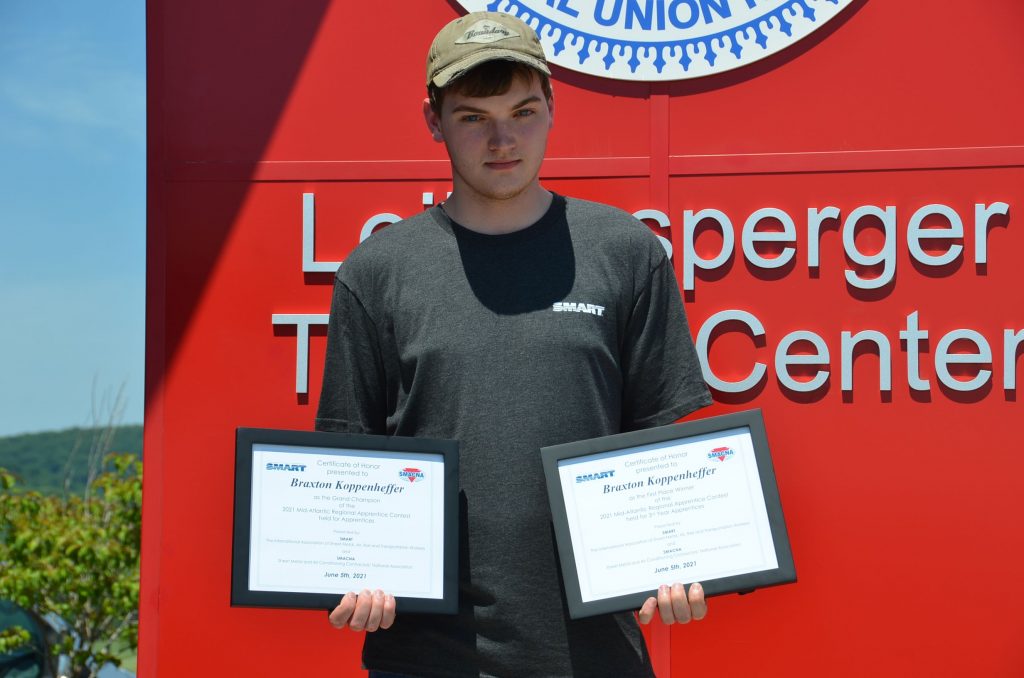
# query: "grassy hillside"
[40,460]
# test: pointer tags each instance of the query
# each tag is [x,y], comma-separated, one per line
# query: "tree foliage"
[77,555]
[56,461]
[14,638]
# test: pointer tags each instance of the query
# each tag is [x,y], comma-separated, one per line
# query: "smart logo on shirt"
[577,307]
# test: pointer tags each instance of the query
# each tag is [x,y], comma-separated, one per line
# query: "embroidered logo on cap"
[486,31]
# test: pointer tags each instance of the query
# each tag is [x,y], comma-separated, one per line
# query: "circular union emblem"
[664,39]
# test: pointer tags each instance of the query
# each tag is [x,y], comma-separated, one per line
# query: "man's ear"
[433,121]
[551,111]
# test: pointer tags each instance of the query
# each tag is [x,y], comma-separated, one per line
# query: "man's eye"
[470,118]
[525,112]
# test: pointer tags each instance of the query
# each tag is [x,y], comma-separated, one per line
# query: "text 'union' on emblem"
[664,39]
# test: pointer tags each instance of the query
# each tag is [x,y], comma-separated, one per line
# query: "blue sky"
[72,211]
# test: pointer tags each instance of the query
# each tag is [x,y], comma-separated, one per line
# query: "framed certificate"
[691,502]
[320,514]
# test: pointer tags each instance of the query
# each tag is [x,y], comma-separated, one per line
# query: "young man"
[508,318]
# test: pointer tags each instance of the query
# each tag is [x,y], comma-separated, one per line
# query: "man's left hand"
[674,604]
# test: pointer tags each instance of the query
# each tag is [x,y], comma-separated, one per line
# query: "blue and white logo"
[600,475]
[664,39]
[271,466]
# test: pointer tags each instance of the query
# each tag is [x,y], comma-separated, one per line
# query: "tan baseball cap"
[478,37]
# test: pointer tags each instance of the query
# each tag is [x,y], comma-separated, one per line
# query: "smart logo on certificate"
[321,514]
[687,502]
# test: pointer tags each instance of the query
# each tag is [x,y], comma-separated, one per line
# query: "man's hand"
[675,605]
[364,611]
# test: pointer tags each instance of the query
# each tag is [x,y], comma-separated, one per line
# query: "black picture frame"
[245,440]
[753,422]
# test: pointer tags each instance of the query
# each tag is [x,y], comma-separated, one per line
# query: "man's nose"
[501,136]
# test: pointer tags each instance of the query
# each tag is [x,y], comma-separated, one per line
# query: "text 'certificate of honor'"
[324,522]
[673,511]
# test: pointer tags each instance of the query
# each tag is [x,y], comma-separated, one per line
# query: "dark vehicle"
[35,660]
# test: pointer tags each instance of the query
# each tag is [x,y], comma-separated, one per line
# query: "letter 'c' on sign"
[664,39]
[703,345]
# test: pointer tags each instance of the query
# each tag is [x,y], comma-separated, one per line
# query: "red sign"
[841,214]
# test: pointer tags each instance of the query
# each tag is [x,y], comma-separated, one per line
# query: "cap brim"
[452,71]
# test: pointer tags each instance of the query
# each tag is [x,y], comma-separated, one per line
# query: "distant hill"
[39,460]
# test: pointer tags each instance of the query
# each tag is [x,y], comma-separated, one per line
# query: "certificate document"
[331,521]
[680,503]
[328,515]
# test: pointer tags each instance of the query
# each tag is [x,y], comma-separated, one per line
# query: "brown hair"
[489,79]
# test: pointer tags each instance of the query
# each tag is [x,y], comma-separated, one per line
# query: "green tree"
[78,556]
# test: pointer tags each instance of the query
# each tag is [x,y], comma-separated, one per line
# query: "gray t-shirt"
[569,329]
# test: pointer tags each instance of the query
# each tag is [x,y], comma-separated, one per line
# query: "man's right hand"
[364,611]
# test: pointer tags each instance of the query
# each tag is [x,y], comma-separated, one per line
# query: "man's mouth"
[502,164]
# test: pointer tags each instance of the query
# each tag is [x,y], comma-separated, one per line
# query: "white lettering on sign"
[857,277]
[962,360]
[301,322]
[979,355]
[311,265]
